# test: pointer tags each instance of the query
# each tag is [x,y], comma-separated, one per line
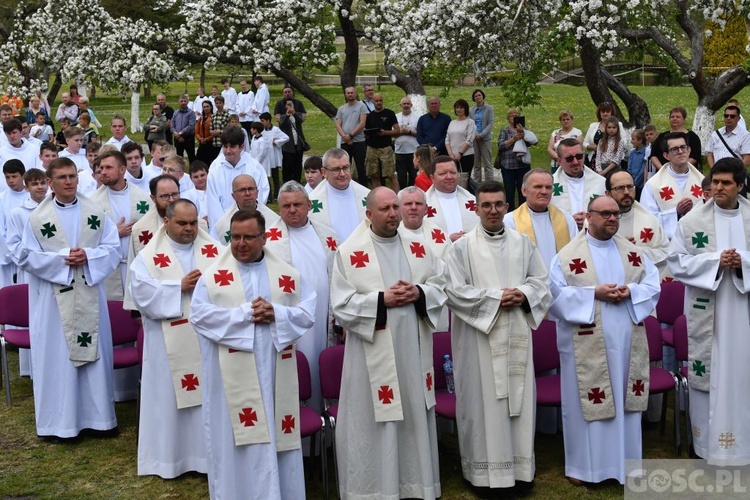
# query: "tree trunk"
[703,122]
[135,102]
[351,47]
[54,89]
[203,77]
[638,114]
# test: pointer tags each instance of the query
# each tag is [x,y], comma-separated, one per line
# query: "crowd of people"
[229,291]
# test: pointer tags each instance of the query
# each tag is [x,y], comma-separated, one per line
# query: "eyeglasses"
[570,158]
[606,214]
[487,206]
[247,190]
[727,115]
[336,171]
[678,149]
[246,237]
[620,189]
[166,196]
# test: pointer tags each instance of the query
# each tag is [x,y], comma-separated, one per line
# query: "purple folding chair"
[330,369]
[310,421]
[124,331]
[445,402]
[681,354]
[546,358]
[14,311]
[670,306]
[661,381]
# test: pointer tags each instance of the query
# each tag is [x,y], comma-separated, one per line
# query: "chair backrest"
[303,376]
[139,345]
[655,339]
[331,361]
[441,345]
[671,302]
[544,346]
[124,326]
[14,305]
[680,335]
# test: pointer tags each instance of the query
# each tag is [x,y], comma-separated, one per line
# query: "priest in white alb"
[249,308]
[710,254]
[574,184]
[387,292]
[497,290]
[245,196]
[337,201]
[309,246]
[163,276]
[449,206]
[68,249]
[603,287]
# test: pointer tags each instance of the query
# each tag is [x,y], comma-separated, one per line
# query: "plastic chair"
[310,421]
[14,311]
[546,358]
[331,367]
[124,331]
[670,306]
[445,402]
[681,354]
[661,381]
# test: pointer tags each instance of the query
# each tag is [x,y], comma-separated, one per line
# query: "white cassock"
[497,447]
[14,231]
[384,459]
[219,183]
[596,451]
[310,261]
[257,470]
[724,409]
[170,440]
[9,199]
[68,399]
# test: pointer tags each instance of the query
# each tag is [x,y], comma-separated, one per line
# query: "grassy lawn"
[98,468]
[320,130]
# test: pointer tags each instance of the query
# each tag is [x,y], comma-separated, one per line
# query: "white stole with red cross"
[362,270]
[667,193]
[77,303]
[648,235]
[466,204]
[222,225]
[238,371]
[140,203]
[589,343]
[180,339]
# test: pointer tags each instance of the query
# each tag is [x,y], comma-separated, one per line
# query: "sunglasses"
[570,158]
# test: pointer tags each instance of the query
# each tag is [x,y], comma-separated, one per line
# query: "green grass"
[98,468]
[320,130]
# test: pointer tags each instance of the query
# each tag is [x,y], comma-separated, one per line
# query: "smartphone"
[519,119]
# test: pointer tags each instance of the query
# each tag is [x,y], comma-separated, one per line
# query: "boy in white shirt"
[41,130]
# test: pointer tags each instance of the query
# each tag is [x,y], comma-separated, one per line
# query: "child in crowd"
[313,173]
[75,152]
[60,137]
[611,148]
[277,138]
[262,150]
[92,153]
[234,120]
[199,177]
[423,156]
[706,188]
[89,134]
[47,153]
[651,135]
[40,130]
[637,160]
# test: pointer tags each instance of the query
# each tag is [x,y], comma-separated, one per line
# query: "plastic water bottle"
[448,370]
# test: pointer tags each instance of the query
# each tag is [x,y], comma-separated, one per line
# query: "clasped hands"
[76,257]
[262,311]
[512,297]
[730,259]
[400,293]
[610,292]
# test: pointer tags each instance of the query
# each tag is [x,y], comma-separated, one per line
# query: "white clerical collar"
[599,243]
[494,234]
[675,174]
[66,205]
[252,266]
[447,196]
